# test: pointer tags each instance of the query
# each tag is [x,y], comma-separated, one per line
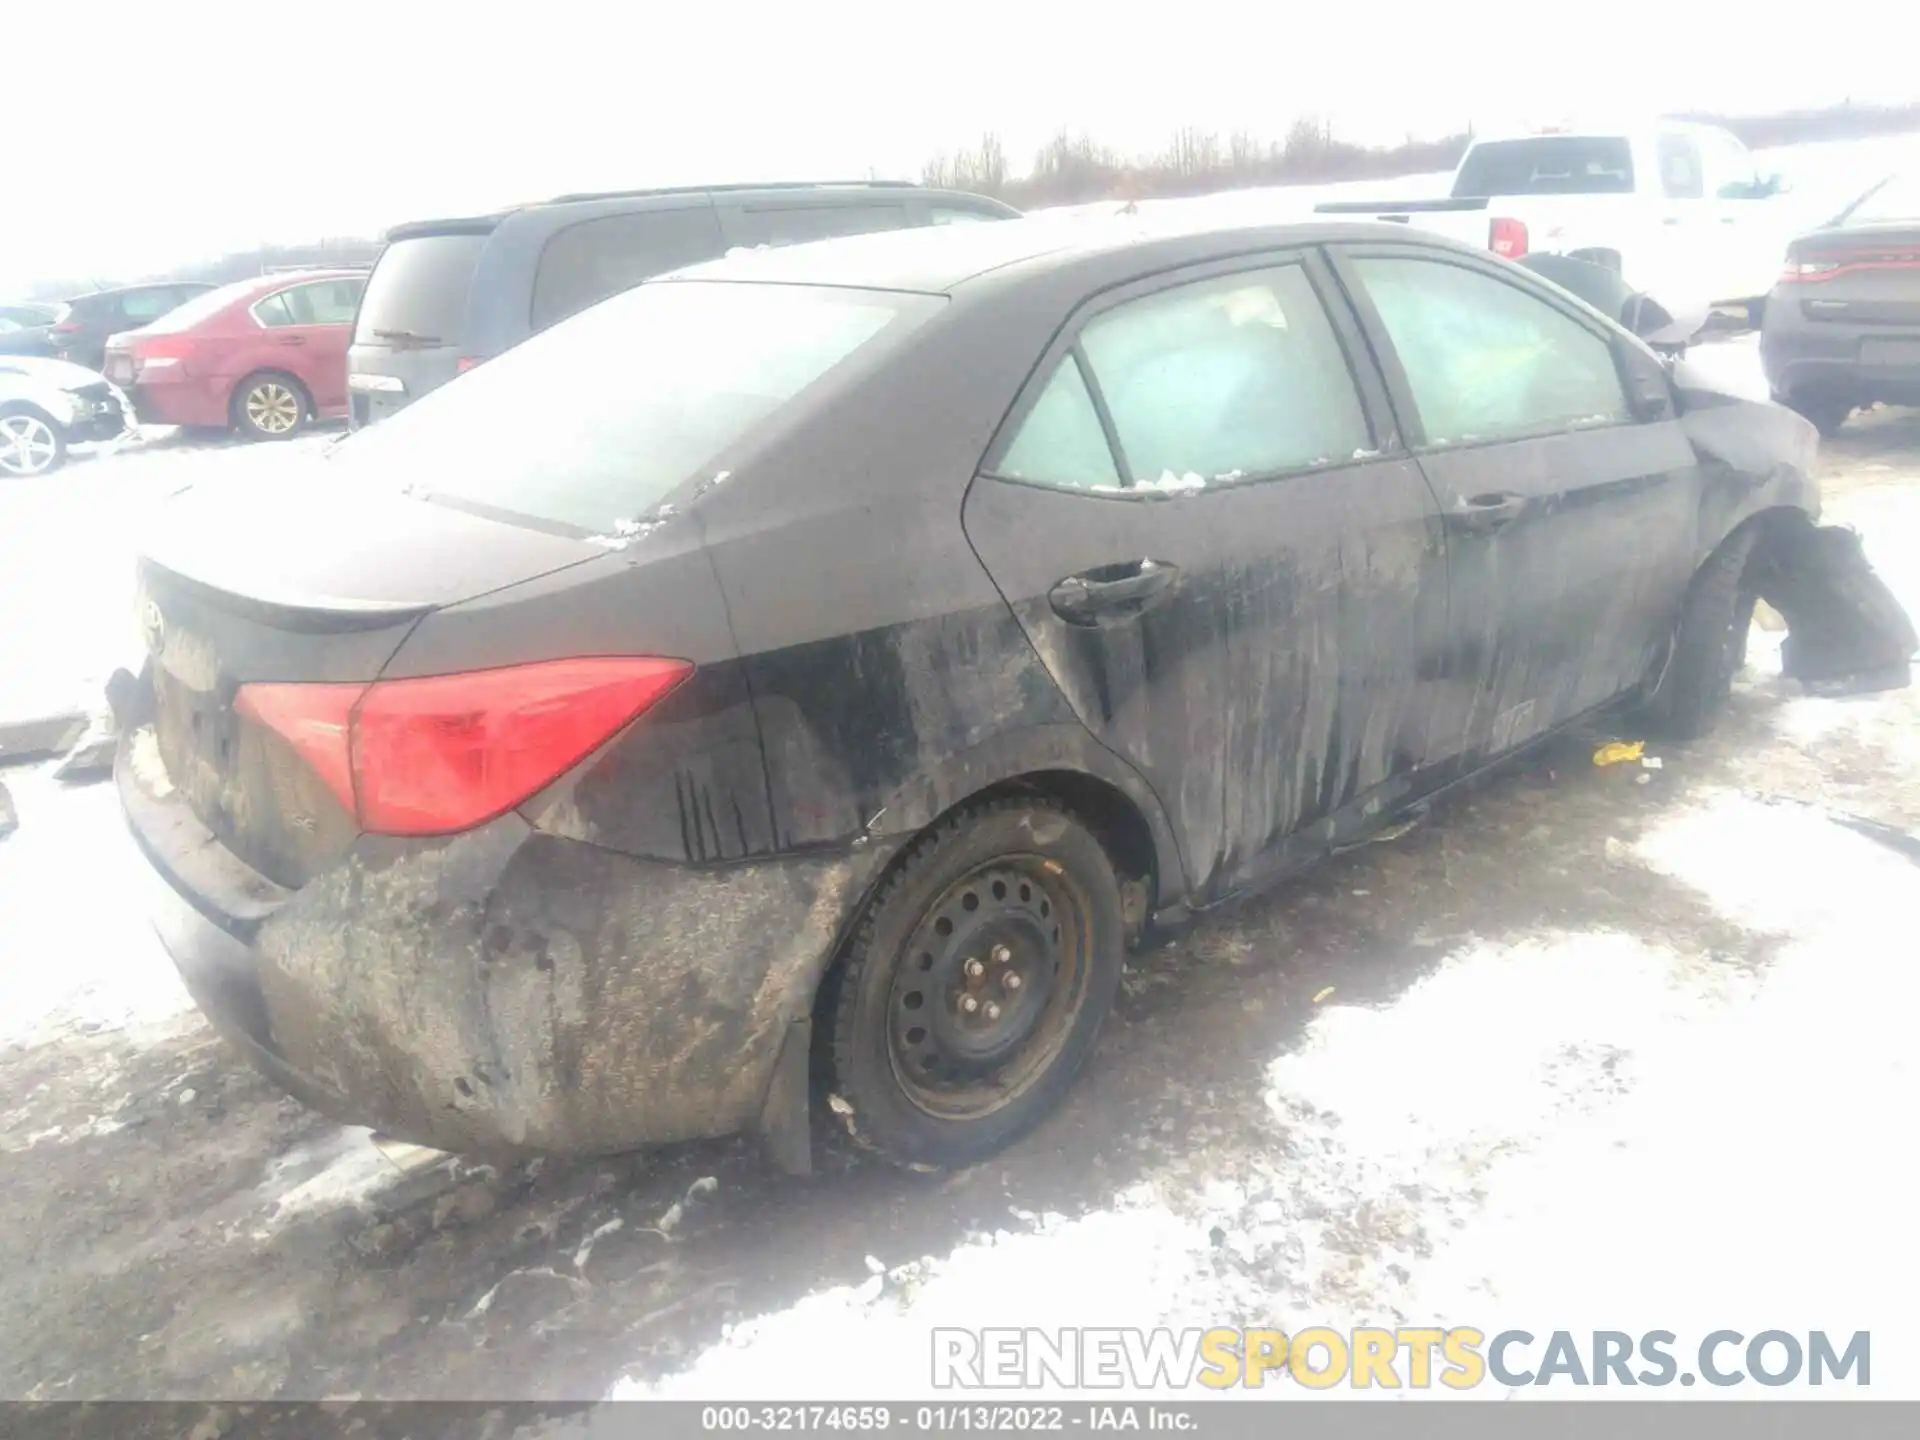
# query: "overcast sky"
[142,135]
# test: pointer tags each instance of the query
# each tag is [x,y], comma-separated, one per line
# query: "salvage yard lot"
[1624,1047]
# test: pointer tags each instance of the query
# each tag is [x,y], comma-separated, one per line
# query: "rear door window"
[1546,165]
[586,262]
[272,312]
[1061,441]
[324,302]
[417,293]
[1485,360]
[797,224]
[1233,377]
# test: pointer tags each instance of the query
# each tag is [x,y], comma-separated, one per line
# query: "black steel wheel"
[975,985]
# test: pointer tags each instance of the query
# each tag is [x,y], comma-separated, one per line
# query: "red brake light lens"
[1507,238]
[465,363]
[162,347]
[444,753]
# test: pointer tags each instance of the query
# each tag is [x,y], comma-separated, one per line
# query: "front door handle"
[290,339]
[1484,514]
[1112,592]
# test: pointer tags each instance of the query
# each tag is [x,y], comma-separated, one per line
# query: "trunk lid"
[305,582]
[1859,275]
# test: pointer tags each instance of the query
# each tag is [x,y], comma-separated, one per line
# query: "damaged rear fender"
[1066,762]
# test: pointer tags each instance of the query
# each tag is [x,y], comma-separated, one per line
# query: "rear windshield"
[200,306]
[591,424]
[1547,165]
[417,294]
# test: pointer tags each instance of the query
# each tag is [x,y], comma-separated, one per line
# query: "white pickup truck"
[1683,211]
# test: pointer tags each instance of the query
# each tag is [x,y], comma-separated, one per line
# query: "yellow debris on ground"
[1619,752]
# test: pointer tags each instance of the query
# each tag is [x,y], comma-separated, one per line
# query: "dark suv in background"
[80,334]
[447,294]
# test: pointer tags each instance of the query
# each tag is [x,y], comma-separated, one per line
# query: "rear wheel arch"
[1064,762]
[1139,855]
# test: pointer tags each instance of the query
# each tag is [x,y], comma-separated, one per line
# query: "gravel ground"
[1617,1047]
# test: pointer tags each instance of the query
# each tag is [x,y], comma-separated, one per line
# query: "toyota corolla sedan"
[874,639]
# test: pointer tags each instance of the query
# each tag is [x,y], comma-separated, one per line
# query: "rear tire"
[271,406]
[975,985]
[32,442]
[1827,412]
[1709,646]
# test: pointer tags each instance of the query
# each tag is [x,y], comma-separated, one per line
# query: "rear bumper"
[504,990]
[177,402]
[1804,357]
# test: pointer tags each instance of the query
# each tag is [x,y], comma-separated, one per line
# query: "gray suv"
[448,294]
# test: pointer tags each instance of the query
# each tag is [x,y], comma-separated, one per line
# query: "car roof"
[945,259]
[589,204]
[136,289]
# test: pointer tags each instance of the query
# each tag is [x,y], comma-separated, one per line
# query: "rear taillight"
[163,347]
[1507,238]
[1804,269]
[466,363]
[158,352]
[67,327]
[445,753]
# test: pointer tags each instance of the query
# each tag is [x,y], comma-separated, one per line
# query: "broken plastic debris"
[1323,995]
[1619,752]
[1650,762]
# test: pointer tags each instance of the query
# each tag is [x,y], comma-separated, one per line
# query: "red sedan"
[265,357]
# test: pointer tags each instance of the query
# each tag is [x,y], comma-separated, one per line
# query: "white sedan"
[47,405]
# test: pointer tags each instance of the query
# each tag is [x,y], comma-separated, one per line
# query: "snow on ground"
[1576,1131]
[75,946]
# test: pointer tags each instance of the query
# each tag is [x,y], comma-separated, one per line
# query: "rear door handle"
[290,339]
[1484,514]
[1109,594]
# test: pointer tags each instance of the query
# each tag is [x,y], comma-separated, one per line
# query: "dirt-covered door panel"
[1570,507]
[1231,576]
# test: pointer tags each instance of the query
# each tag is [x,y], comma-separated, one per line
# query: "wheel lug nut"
[969,1004]
[975,969]
[1001,954]
[1013,980]
[993,1011]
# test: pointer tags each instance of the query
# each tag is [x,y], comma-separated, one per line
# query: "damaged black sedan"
[869,641]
